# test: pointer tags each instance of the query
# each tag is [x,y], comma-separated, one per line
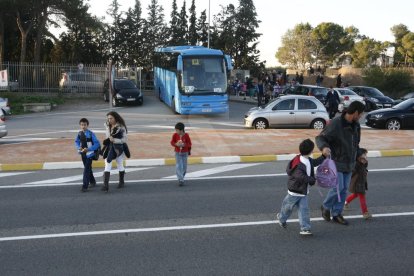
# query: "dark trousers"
[87,171]
[259,100]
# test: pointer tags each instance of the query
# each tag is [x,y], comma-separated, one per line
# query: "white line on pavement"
[78,177]
[12,174]
[217,170]
[176,228]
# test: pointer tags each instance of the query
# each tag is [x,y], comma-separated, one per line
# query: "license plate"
[131,99]
[206,110]
[387,105]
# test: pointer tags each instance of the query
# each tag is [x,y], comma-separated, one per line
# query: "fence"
[88,79]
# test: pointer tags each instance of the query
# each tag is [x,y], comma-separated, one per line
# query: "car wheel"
[393,124]
[105,97]
[318,124]
[114,102]
[260,124]
[140,102]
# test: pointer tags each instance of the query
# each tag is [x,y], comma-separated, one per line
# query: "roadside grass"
[16,101]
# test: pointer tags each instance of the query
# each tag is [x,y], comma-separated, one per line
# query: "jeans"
[181,165]
[331,201]
[87,171]
[303,212]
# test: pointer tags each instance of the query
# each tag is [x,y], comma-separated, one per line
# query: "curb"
[191,160]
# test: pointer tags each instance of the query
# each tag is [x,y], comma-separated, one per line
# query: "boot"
[105,186]
[121,183]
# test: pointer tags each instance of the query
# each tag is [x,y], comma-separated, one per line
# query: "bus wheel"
[173,106]
[159,94]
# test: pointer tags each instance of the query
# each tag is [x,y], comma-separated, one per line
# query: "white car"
[288,111]
[347,96]
[3,129]
[4,106]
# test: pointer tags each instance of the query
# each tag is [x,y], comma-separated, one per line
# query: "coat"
[359,179]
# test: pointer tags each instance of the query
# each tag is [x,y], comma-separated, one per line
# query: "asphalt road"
[221,223]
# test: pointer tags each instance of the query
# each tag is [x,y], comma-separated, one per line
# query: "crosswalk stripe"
[216,170]
[13,174]
[78,177]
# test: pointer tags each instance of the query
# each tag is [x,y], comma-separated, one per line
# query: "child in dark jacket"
[359,183]
[301,174]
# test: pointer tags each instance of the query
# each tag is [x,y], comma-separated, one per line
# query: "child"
[182,146]
[86,143]
[359,183]
[301,174]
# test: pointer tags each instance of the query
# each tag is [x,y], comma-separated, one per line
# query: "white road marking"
[139,181]
[412,166]
[13,174]
[9,139]
[178,228]
[217,170]
[168,127]
[78,177]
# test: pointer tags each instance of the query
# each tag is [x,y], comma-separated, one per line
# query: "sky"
[373,18]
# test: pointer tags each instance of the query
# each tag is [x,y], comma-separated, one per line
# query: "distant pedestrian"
[260,93]
[301,175]
[359,183]
[339,81]
[341,138]
[332,102]
[86,143]
[182,147]
[116,137]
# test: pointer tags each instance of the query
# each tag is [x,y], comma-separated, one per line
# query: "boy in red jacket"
[182,146]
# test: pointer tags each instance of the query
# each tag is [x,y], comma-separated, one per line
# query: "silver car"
[3,129]
[347,96]
[75,82]
[4,106]
[288,111]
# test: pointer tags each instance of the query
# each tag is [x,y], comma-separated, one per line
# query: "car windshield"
[404,105]
[373,92]
[204,74]
[346,92]
[124,84]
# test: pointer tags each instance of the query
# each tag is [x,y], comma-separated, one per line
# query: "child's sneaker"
[282,224]
[346,206]
[366,215]
[305,232]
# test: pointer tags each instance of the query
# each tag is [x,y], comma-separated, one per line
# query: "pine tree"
[182,34]
[115,30]
[173,31]
[192,29]
[202,29]
[134,24]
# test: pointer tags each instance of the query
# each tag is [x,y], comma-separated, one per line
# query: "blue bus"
[192,79]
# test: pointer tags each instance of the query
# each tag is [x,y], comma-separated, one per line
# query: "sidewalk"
[209,146]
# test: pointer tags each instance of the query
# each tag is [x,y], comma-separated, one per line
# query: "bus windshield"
[204,74]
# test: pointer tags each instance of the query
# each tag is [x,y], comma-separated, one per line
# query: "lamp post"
[208,36]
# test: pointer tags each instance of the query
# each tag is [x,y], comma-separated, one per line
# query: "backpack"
[327,177]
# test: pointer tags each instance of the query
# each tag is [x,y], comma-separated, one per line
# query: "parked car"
[288,111]
[124,92]
[75,82]
[308,90]
[3,129]
[394,118]
[405,97]
[4,106]
[347,96]
[373,98]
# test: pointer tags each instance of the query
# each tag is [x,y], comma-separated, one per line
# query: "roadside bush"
[394,82]
[17,100]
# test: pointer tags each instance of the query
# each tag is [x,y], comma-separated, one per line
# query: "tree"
[331,41]
[154,31]
[226,27]
[133,28]
[246,52]
[297,47]
[407,47]
[365,52]
[115,30]
[174,28]
[192,29]
[202,29]
[399,31]
[182,34]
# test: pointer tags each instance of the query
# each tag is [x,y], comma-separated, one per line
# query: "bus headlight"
[188,89]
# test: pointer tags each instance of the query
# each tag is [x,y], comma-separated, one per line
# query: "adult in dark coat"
[332,101]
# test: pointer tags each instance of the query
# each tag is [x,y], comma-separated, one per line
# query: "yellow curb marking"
[195,160]
[389,153]
[22,167]
[169,161]
[258,158]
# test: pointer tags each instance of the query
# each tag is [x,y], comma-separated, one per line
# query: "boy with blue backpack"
[301,175]
[87,145]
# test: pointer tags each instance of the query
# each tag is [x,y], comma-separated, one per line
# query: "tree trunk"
[23,33]
[42,19]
